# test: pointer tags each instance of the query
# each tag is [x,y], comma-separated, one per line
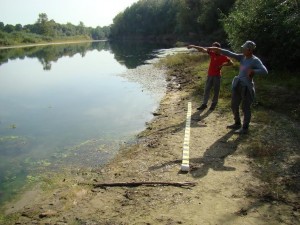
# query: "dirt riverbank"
[235,181]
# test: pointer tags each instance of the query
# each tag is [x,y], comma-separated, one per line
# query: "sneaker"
[234,126]
[241,131]
[203,106]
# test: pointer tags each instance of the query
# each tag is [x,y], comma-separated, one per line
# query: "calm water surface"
[71,105]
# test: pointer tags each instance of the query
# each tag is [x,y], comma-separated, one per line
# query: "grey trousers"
[241,94]
[212,81]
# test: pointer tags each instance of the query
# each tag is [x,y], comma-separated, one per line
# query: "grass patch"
[279,91]
[181,59]
[261,116]
[8,220]
[273,148]
[259,149]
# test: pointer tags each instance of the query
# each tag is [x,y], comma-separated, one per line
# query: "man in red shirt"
[217,61]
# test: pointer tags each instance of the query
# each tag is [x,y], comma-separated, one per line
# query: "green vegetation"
[45,30]
[182,59]
[168,19]
[273,24]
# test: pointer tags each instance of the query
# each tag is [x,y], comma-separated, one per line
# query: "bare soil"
[235,181]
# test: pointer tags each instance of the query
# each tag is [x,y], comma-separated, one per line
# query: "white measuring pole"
[185,165]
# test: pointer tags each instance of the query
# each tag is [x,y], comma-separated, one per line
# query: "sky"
[92,13]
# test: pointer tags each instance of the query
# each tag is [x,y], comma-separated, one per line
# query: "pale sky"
[91,12]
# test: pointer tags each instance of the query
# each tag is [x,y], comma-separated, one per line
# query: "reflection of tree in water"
[51,53]
[128,53]
[46,64]
[135,53]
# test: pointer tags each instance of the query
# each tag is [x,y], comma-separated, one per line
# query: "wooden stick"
[135,184]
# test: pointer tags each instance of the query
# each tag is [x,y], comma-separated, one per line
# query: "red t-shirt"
[216,61]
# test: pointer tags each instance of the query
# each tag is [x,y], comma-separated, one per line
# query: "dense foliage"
[45,30]
[273,24]
[170,19]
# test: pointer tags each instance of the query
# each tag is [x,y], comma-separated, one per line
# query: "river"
[72,105]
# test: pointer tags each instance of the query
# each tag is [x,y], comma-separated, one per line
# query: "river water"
[72,105]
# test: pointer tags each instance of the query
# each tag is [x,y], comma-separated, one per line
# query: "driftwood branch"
[135,184]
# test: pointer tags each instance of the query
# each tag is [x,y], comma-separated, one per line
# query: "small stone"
[48,213]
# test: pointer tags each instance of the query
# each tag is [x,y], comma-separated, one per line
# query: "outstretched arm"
[215,49]
[228,53]
[199,48]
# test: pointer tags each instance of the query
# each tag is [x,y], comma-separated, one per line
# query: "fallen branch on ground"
[135,184]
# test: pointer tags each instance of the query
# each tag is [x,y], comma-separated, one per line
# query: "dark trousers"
[241,94]
[212,81]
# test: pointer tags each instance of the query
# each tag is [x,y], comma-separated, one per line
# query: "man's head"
[248,48]
[249,45]
[216,44]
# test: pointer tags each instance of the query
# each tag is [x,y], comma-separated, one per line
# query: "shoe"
[241,131]
[234,126]
[203,106]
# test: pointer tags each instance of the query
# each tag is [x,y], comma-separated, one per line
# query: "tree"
[187,22]
[9,28]
[194,19]
[18,27]
[273,24]
[43,18]
[81,28]
[210,14]
[43,26]
[1,26]
[146,18]
[100,33]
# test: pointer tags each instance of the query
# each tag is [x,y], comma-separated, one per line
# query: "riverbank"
[248,179]
[49,43]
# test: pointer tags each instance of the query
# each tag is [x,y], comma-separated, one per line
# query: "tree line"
[48,30]
[171,19]
[273,24]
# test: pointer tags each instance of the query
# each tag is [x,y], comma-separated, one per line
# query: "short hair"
[216,44]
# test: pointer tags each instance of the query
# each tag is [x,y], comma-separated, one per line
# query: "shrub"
[273,24]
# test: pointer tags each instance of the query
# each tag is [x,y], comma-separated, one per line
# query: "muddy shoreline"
[227,190]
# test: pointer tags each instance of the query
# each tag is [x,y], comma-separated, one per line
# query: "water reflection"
[74,110]
[51,53]
[128,53]
[134,53]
